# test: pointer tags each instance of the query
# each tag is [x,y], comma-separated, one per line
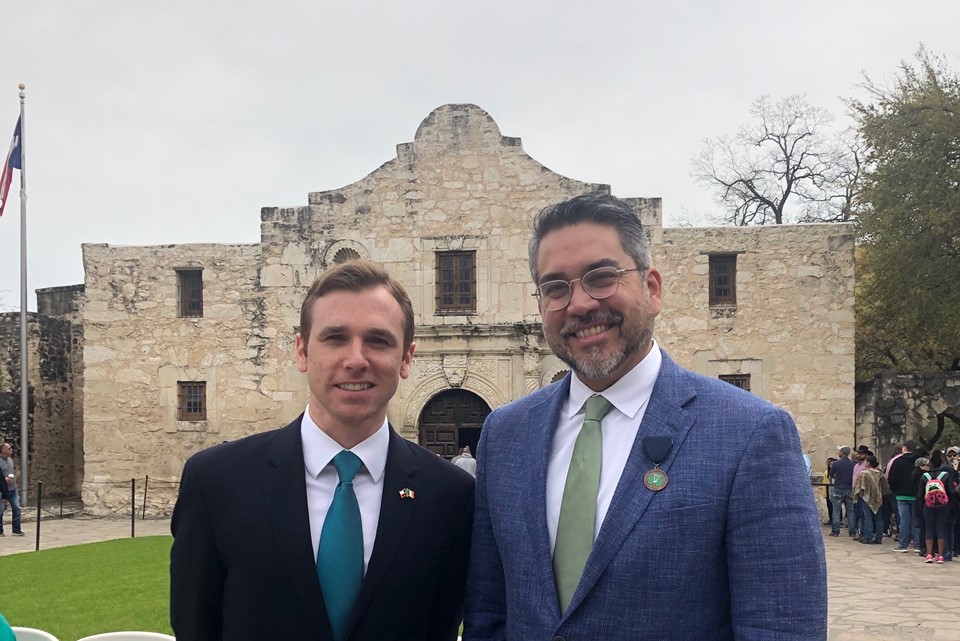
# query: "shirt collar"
[319,449]
[628,394]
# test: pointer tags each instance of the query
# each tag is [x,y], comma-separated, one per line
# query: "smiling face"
[601,340]
[354,359]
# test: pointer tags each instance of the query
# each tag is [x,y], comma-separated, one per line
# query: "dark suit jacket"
[242,564]
[730,549]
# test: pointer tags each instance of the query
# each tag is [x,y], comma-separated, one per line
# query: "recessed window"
[190,293]
[191,400]
[723,279]
[456,282]
[737,380]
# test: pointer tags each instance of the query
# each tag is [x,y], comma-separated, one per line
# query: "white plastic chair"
[32,634]
[127,636]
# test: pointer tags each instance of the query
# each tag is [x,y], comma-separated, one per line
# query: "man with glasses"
[597,515]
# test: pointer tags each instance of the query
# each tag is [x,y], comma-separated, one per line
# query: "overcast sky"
[176,121]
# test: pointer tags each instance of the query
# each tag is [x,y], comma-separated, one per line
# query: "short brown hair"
[356,276]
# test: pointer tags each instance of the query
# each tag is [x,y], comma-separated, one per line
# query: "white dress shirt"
[629,397]
[322,479]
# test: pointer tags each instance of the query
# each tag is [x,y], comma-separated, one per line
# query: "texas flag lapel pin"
[406,493]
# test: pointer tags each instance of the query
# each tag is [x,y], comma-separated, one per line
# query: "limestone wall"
[137,349]
[50,409]
[792,327]
[898,406]
[66,303]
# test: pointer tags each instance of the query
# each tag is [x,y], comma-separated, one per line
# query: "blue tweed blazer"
[730,549]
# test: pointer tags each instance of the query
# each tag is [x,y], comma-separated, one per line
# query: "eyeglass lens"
[598,283]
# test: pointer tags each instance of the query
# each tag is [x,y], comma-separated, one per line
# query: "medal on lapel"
[657,449]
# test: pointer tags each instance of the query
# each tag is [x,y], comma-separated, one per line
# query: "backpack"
[934,491]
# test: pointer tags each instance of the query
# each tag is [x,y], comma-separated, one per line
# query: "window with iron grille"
[190,293]
[456,282]
[723,279]
[737,380]
[191,400]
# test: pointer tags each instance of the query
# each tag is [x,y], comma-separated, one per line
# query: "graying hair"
[597,208]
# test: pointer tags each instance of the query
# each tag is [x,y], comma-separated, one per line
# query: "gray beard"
[597,363]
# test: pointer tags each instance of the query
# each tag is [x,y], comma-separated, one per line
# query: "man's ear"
[407,360]
[301,352]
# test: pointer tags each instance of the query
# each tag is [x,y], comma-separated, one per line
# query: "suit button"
[559,638]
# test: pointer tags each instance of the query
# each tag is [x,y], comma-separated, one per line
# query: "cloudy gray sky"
[176,121]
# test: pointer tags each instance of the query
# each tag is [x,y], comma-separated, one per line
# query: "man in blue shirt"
[841,475]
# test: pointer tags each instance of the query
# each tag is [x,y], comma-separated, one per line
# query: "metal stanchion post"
[133,508]
[39,508]
[146,482]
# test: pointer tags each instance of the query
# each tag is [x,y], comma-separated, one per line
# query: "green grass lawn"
[76,591]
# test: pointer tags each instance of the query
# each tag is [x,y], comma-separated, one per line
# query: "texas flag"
[12,162]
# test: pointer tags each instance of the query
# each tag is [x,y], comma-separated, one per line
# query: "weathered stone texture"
[791,329]
[50,407]
[137,349]
[460,185]
[896,406]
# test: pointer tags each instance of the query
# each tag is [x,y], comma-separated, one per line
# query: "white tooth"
[590,331]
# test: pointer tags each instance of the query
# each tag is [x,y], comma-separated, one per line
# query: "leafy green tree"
[908,285]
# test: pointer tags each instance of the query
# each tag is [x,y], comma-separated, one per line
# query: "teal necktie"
[340,554]
[578,510]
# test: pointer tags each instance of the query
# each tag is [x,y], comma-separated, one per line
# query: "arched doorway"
[451,420]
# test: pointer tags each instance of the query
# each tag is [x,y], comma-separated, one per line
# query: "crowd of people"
[915,496]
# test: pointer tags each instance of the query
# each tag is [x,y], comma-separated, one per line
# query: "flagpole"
[24,381]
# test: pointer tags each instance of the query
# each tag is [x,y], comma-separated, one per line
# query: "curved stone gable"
[459,175]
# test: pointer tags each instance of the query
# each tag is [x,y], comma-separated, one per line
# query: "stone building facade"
[897,406]
[187,346]
[54,380]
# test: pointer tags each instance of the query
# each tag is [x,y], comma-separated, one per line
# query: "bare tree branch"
[781,166]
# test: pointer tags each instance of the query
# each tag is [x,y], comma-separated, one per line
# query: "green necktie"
[578,511]
[340,554]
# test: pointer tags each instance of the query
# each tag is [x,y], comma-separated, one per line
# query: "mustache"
[607,317]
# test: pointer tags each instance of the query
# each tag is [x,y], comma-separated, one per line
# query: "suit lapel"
[395,516]
[664,416]
[286,500]
[542,419]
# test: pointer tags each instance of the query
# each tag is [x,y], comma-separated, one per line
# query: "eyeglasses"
[598,283]
[951,454]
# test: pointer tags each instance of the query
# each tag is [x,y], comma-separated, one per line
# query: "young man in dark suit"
[333,527]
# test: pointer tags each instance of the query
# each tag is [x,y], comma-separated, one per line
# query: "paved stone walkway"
[880,595]
[875,594]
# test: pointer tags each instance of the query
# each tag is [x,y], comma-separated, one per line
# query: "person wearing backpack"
[954,505]
[935,490]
